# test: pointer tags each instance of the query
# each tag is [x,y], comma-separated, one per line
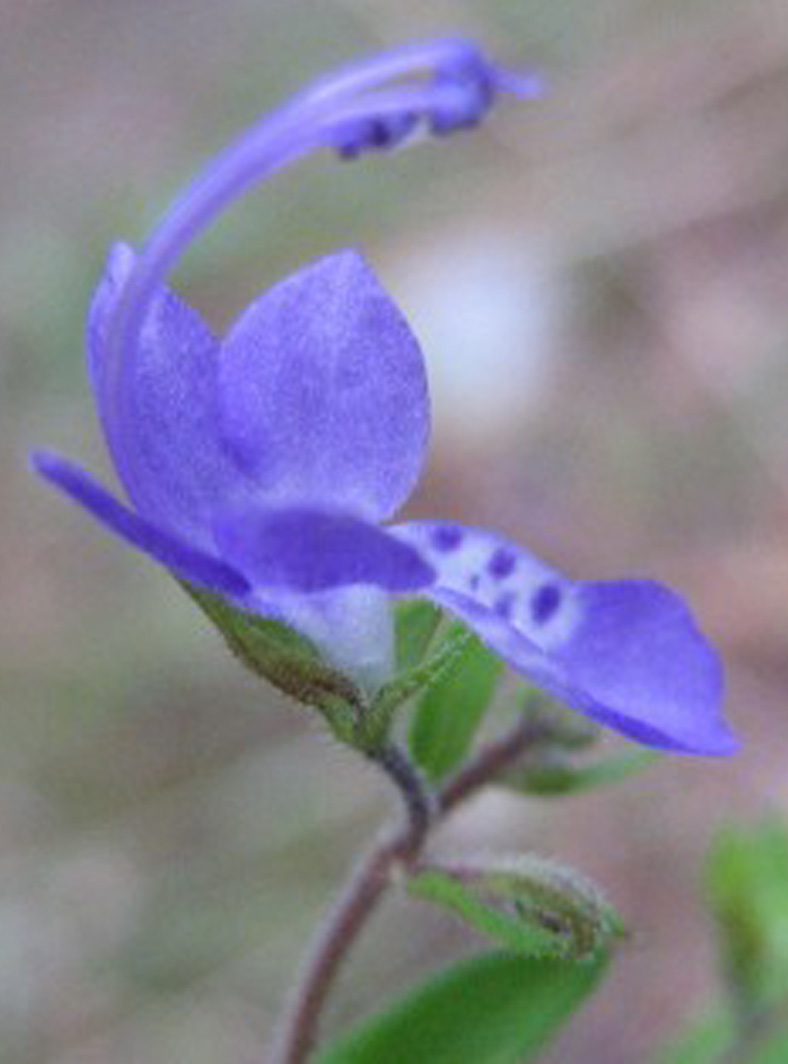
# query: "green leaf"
[524,903]
[448,714]
[717,1041]
[746,878]
[285,659]
[416,622]
[552,773]
[746,882]
[496,1009]
[704,1043]
[772,1048]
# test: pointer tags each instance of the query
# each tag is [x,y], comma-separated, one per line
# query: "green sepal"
[500,1008]
[286,659]
[549,772]
[380,714]
[524,903]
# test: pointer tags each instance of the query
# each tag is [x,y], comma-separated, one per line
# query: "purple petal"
[324,396]
[163,435]
[306,551]
[191,564]
[627,654]
[642,666]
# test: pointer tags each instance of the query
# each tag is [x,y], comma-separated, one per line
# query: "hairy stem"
[396,847]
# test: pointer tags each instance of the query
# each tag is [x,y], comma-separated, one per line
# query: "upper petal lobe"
[324,395]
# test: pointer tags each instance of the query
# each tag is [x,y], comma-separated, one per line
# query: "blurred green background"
[600,281]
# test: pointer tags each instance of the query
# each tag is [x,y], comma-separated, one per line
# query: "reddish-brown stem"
[371,877]
[343,924]
[491,760]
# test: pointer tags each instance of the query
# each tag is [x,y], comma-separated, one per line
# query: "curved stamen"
[410,59]
[331,113]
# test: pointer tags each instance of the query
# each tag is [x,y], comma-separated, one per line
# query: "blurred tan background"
[600,281]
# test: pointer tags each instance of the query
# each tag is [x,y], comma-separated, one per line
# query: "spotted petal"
[324,397]
[627,653]
[163,434]
[189,562]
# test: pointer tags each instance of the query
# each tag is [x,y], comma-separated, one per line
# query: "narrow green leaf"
[416,622]
[556,775]
[500,1008]
[448,714]
[524,903]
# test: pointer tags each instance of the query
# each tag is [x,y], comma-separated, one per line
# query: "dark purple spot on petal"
[446,538]
[474,582]
[502,563]
[505,604]
[545,602]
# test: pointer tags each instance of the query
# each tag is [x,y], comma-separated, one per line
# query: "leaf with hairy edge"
[524,903]
[500,1008]
[449,712]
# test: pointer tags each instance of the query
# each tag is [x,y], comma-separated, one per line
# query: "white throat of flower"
[353,628]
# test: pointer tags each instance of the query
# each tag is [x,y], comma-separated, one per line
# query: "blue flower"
[264,466]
